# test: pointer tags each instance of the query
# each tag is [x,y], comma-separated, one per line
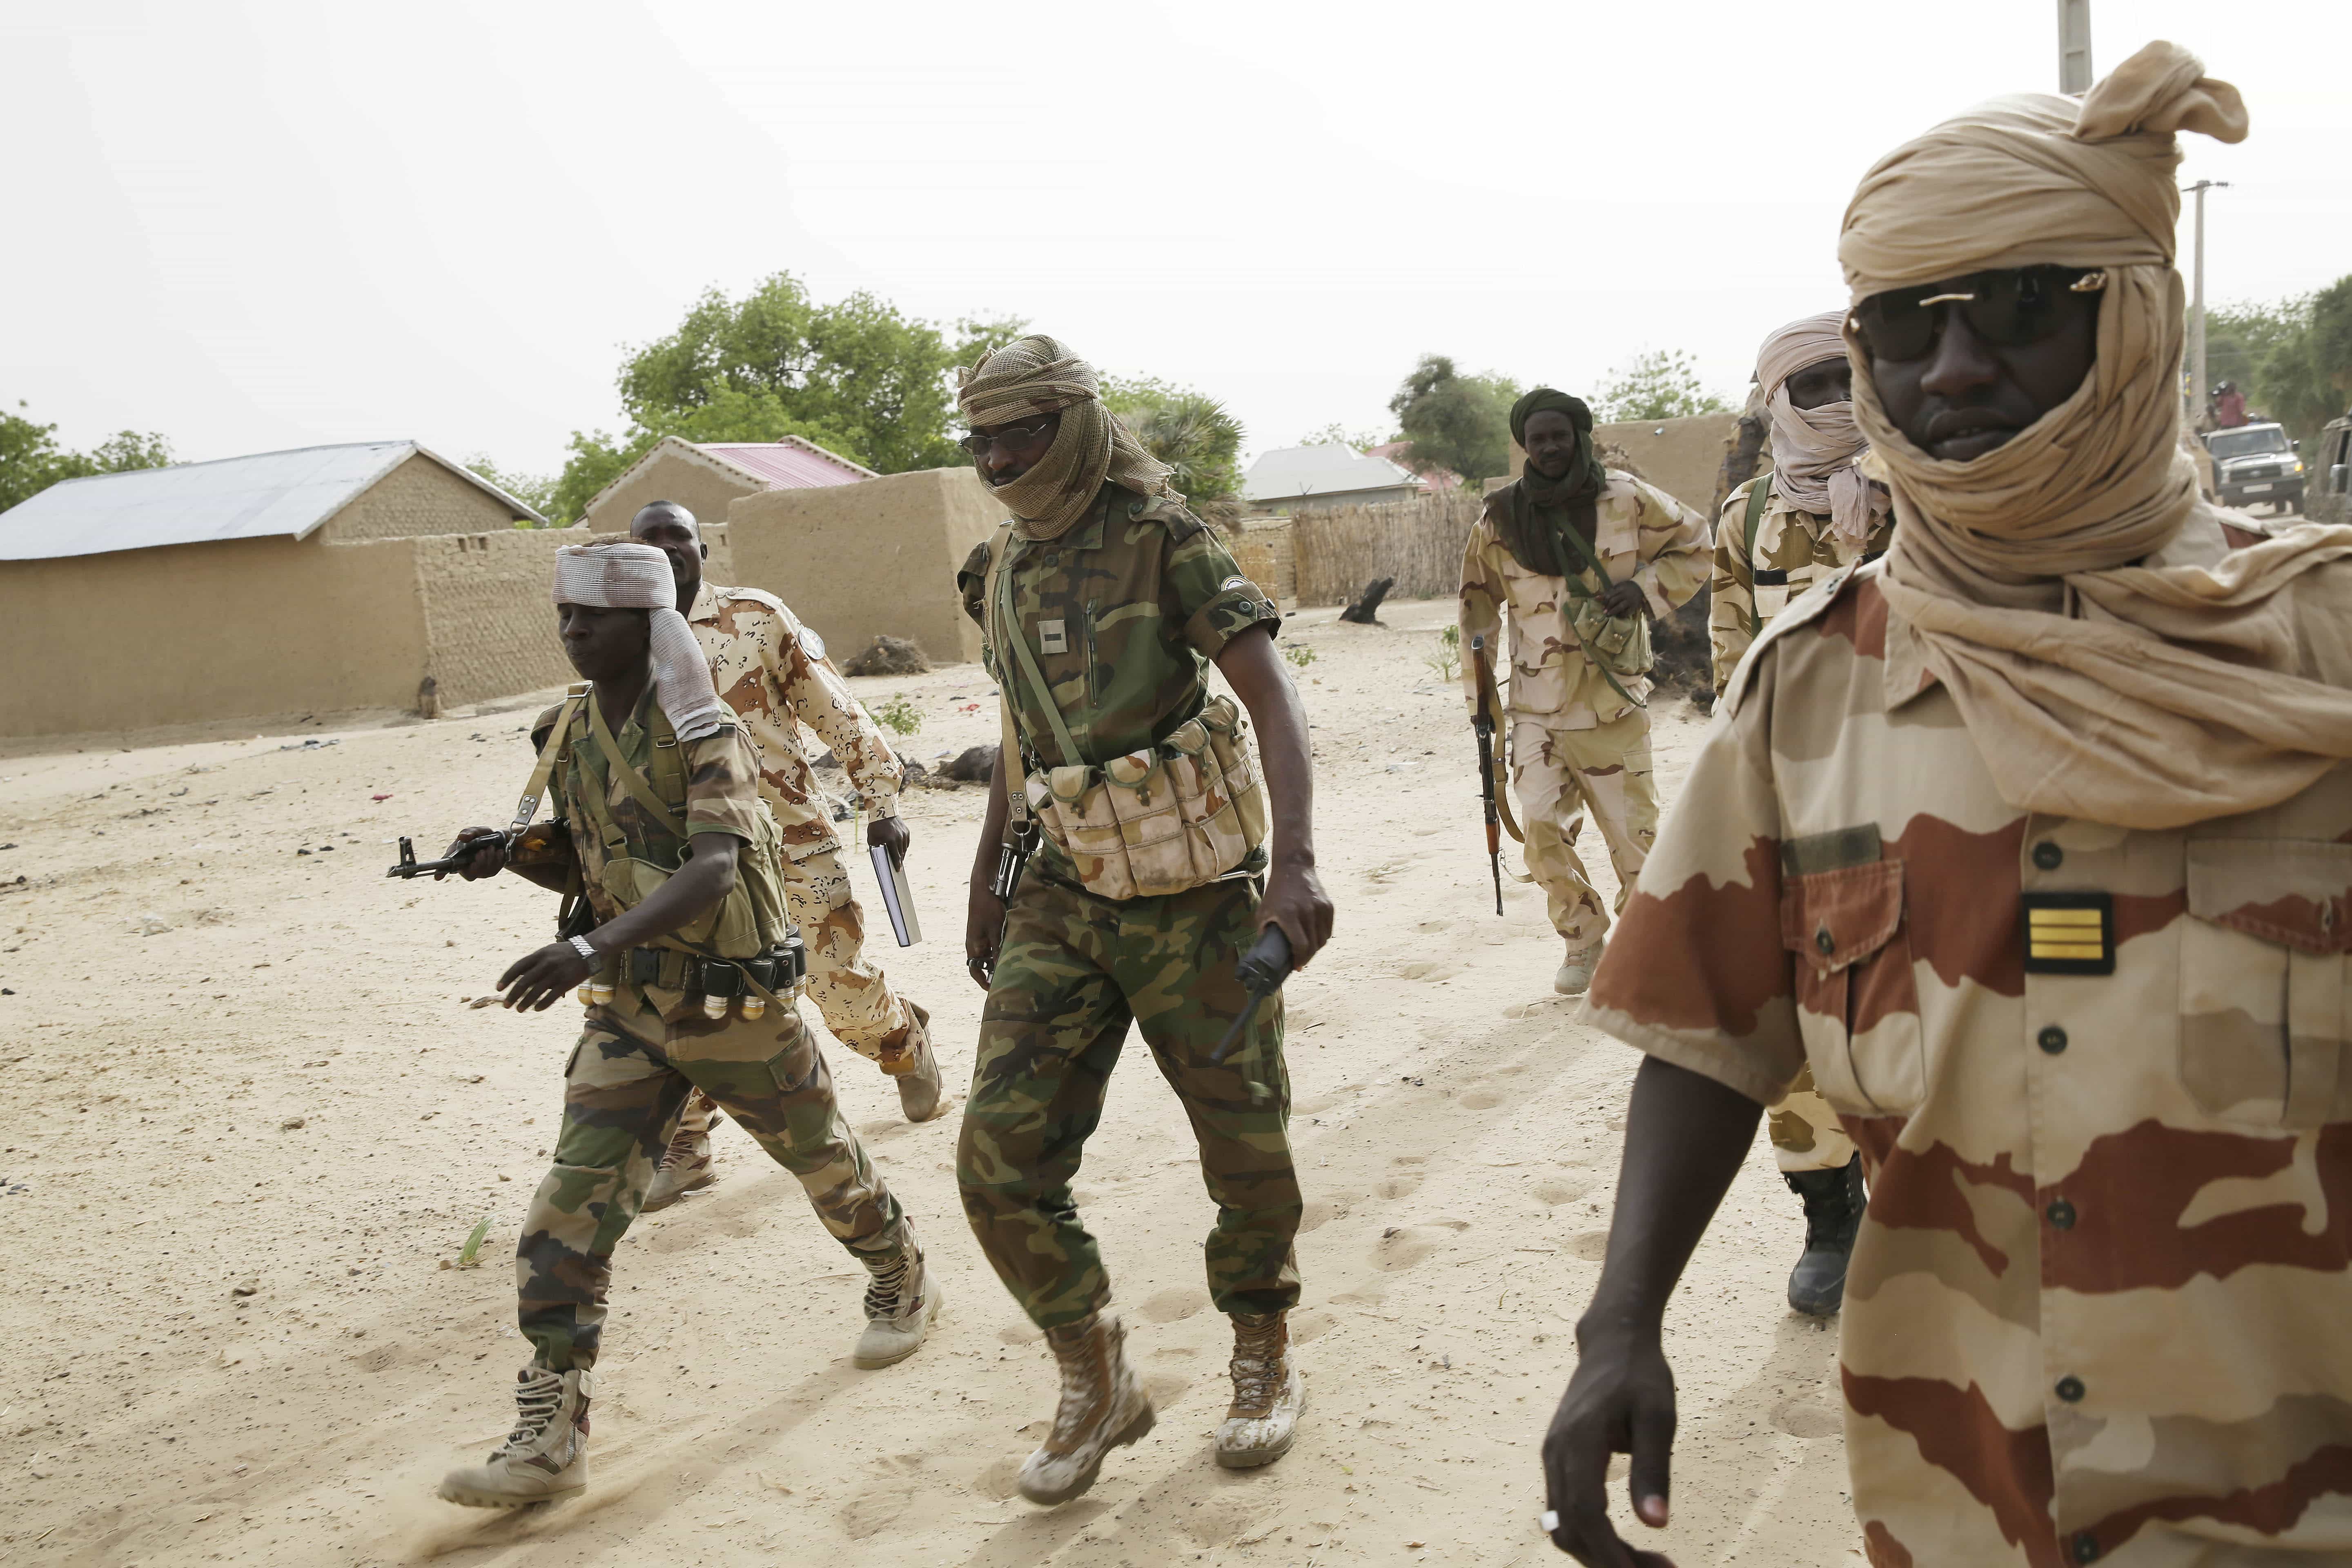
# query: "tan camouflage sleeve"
[1481,613]
[1731,592]
[722,784]
[1696,974]
[825,704]
[1671,542]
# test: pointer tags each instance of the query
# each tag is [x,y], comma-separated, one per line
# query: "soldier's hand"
[489,856]
[1625,599]
[1620,1401]
[984,921]
[889,833]
[536,981]
[1296,901]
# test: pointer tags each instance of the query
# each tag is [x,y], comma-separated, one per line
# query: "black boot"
[1834,1201]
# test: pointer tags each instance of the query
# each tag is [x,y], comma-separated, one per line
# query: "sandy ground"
[230,1066]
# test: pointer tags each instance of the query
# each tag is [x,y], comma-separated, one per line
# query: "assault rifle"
[1482,724]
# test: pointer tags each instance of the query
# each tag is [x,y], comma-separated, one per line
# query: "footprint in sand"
[1311,1324]
[1400,1186]
[1562,1189]
[1319,1213]
[1810,1416]
[1403,1246]
[1166,1388]
[874,1512]
[1000,1481]
[1430,969]
[1481,1100]
[1592,1246]
[1173,1305]
[1020,1333]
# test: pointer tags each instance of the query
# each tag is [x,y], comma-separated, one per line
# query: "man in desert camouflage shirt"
[1579,736]
[774,673]
[2034,840]
[1781,533]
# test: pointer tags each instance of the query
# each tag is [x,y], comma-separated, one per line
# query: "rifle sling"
[631,780]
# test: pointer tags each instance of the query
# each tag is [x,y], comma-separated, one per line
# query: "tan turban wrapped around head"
[1035,375]
[619,576]
[2096,687]
[1814,450]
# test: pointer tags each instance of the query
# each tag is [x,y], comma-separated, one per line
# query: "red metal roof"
[788,465]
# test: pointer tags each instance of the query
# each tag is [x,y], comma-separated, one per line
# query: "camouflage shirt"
[722,795]
[1796,549]
[772,671]
[2097,1310]
[1642,533]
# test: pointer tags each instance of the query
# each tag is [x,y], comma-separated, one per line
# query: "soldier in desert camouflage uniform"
[1579,737]
[1812,514]
[641,1053]
[1122,598]
[2034,839]
[772,671]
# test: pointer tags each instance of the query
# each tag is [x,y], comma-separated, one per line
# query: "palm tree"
[1196,436]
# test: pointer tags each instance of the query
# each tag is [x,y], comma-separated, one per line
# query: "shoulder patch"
[1230,584]
[812,644]
[1809,607]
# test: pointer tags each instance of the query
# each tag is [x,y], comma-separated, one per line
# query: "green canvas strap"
[1759,494]
[1010,624]
[1575,584]
[527,809]
[631,780]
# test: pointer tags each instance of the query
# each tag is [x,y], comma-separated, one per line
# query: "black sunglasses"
[1006,435]
[2008,308]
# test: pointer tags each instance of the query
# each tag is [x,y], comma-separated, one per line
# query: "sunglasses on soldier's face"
[2008,308]
[1007,435]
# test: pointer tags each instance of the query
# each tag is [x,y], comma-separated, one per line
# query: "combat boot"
[546,1455]
[1268,1395]
[685,1168]
[1103,1407]
[1576,970]
[1833,1203]
[921,1095]
[900,1303]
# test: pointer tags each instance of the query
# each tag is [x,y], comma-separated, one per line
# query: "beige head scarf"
[2153,696]
[1034,375]
[1814,450]
[618,576]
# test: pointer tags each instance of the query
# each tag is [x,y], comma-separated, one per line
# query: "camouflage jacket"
[1123,614]
[722,795]
[2096,1309]
[1643,533]
[772,671]
[1798,549]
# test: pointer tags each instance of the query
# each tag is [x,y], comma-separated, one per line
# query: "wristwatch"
[580,945]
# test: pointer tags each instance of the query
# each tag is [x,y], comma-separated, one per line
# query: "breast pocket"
[2262,980]
[1857,1002]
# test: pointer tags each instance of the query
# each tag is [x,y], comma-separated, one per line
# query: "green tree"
[1337,435]
[2291,357]
[1190,432]
[1659,384]
[536,491]
[31,461]
[1456,421]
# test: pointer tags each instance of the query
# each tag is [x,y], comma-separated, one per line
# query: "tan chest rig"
[1166,819]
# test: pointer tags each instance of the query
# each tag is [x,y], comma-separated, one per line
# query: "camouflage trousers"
[1073,971]
[854,996]
[1562,776]
[622,1092]
[1806,1133]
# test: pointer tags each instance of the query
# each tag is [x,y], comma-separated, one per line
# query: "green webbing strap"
[1010,625]
[631,780]
[1759,494]
[1592,560]
[527,809]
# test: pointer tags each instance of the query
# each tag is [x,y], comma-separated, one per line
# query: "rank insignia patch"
[2070,933]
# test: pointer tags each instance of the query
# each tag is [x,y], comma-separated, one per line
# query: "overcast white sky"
[258,226]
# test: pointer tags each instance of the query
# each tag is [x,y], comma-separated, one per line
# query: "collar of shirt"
[706,605]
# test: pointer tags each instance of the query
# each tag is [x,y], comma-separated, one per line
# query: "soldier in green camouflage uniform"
[642,1052]
[1123,598]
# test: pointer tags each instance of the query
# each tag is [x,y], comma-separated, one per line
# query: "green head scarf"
[1541,507]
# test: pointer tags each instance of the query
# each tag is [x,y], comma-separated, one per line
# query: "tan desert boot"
[1268,1395]
[546,1455]
[900,1303]
[685,1168]
[1576,970]
[1103,1407]
[921,1095]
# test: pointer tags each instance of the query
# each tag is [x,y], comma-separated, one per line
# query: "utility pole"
[2202,387]
[2074,47]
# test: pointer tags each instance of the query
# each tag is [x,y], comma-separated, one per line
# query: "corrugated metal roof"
[269,494]
[1325,468]
[788,465]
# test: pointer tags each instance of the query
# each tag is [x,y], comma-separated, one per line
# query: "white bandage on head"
[622,576]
